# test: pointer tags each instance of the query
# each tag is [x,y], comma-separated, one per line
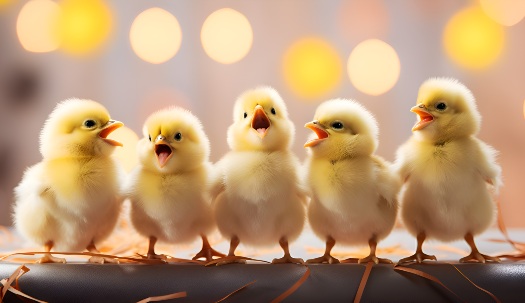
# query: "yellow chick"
[447,171]
[353,191]
[169,188]
[70,200]
[259,199]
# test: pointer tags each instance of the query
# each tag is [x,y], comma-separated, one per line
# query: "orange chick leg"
[327,257]
[419,256]
[231,257]
[372,256]
[98,259]
[475,255]
[287,258]
[48,258]
[207,251]
[151,250]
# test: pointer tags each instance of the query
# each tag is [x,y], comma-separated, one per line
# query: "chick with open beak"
[260,122]
[163,150]
[424,117]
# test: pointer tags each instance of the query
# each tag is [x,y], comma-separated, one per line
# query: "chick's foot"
[326,259]
[376,260]
[103,260]
[418,257]
[475,257]
[207,252]
[50,259]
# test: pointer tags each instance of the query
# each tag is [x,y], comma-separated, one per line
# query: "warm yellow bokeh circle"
[35,26]
[312,67]
[226,36]
[505,12]
[126,155]
[4,3]
[373,67]
[472,39]
[155,35]
[84,25]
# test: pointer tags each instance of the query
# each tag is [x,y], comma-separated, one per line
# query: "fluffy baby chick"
[353,199]
[169,189]
[70,200]
[259,199]
[447,171]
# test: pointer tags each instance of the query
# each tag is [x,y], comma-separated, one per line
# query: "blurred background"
[136,57]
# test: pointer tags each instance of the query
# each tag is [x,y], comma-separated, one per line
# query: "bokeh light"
[5,3]
[312,67]
[472,39]
[226,36]
[126,155]
[84,25]
[35,26]
[360,20]
[373,67]
[155,35]
[505,12]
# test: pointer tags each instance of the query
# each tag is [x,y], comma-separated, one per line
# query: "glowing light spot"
[84,25]
[35,26]
[226,36]
[312,67]
[473,40]
[5,3]
[373,67]
[505,12]
[155,35]
[127,154]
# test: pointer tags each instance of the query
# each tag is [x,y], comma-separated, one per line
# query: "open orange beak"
[260,122]
[424,117]
[319,130]
[163,151]
[108,129]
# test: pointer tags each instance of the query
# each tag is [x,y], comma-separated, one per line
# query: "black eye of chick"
[149,137]
[337,125]
[245,115]
[441,106]
[90,123]
[178,136]
[273,110]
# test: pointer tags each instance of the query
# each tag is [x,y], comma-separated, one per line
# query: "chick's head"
[260,122]
[446,110]
[174,140]
[77,128]
[342,129]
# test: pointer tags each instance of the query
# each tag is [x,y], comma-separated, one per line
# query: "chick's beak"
[424,117]
[162,150]
[108,129]
[260,122]
[319,130]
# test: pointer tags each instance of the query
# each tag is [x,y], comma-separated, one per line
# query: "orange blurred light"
[373,67]
[226,36]
[5,3]
[472,39]
[312,67]
[505,12]
[155,35]
[84,25]
[127,154]
[35,26]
